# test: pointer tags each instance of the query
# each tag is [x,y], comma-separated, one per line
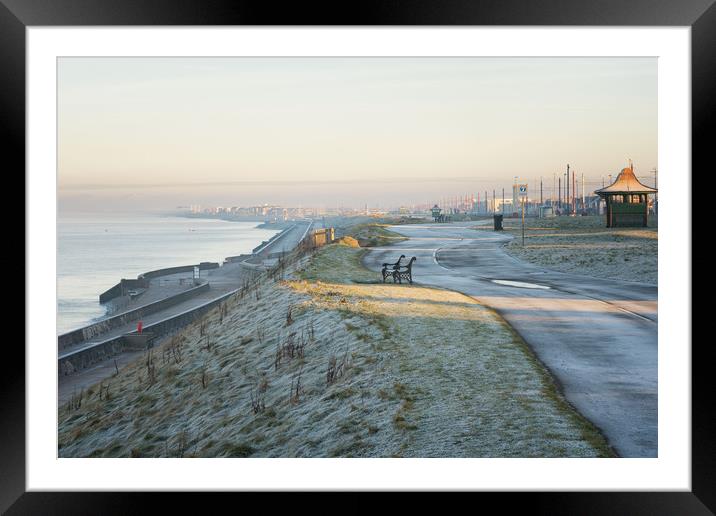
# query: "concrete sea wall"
[142,280]
[77,360]
[258,250]
[73,360]
[182,268]
[94,330]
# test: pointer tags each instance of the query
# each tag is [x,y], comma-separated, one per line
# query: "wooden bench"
[389,268]
[400,272]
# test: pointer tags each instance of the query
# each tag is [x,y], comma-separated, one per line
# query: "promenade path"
[223,280]
[598,337]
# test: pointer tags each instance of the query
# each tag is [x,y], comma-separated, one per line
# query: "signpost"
[436,213]
[523,197]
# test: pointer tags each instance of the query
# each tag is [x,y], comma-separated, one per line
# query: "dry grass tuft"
[348,241]
[372,370]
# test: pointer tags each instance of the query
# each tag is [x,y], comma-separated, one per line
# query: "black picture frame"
[700,15]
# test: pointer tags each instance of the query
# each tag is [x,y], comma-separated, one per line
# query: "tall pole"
[576,201]
[582,190]
[503,201]
[540,191]
[566,185]
[574,195]
[559,198]
[523,221]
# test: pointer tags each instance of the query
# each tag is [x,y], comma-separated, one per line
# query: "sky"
[157,133]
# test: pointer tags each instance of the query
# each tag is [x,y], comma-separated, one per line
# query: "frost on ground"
[331,363]
[583,245]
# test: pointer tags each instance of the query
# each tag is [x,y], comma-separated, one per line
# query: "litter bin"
[498,222]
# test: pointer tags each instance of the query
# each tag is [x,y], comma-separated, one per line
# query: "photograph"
[411,249]
[357,257]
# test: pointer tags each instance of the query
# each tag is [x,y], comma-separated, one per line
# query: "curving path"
[598,337]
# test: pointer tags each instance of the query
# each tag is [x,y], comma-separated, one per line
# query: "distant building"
[593,205]
[546,211]
[506,207]
[627,200]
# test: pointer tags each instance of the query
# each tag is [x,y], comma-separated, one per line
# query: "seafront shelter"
[627,200]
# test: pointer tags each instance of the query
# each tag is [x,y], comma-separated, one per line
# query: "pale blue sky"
[165,131]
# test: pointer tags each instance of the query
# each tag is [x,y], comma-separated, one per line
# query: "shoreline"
[114,306]
[319,345]
[263,221]
[83,349]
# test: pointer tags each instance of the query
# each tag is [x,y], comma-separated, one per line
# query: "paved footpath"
[598,337]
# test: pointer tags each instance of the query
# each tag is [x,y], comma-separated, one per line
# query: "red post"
[139,327]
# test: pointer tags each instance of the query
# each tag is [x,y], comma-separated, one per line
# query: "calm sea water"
[95,252]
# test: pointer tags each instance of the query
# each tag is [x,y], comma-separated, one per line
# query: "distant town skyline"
[154,133]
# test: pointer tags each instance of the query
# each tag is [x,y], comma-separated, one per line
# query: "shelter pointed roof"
[626,183]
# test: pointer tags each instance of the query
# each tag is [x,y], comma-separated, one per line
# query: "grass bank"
[370,231]
[372,234]
[583,245]
[329,362]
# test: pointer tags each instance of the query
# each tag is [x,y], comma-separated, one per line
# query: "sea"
[94,251]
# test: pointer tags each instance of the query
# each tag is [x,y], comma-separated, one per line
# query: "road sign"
[522,190]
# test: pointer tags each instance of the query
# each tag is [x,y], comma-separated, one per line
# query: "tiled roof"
[626,182]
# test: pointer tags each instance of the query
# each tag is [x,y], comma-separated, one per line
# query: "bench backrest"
[410,263]
[395,265]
